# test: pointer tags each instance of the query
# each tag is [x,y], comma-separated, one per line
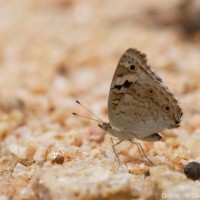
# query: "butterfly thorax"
[107,128]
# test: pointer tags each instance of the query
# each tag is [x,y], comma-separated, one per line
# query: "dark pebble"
[192,170]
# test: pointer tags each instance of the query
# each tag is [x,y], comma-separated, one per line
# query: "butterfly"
[140,105]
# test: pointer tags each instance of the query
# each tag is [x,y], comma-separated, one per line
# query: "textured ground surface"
[53,52]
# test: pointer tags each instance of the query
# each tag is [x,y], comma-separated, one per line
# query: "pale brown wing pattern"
[139,101]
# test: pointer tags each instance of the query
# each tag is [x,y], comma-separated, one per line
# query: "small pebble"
[192,170]
[59,160]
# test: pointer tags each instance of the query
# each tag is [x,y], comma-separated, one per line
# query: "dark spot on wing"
[150,91]
[118,87]
[132,67]
[126,84]
[166,108]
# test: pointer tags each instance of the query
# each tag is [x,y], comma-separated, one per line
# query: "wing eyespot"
[132,67]
[166,108]
[150,92]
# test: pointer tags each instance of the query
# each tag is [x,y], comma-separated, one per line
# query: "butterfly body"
[121,135]
[140,105]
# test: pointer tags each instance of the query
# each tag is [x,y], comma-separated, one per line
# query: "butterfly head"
[105,126]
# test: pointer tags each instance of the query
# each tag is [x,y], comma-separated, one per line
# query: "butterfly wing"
[139,102]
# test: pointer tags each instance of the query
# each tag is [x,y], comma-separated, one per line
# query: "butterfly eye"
[132,67]
[166,108]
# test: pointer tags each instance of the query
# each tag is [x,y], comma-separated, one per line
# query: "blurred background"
[38,38]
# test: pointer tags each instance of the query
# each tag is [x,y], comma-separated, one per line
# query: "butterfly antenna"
[100,120]
[86,117]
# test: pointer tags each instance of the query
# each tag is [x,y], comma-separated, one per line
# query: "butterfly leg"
[113,147]
[142,153]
